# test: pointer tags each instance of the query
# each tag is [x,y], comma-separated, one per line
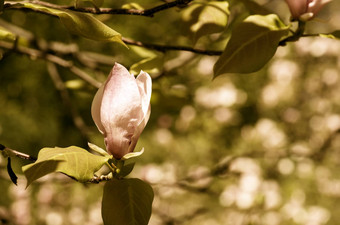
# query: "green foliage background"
[259,148]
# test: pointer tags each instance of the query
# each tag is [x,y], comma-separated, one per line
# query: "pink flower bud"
[121,109]
[305,9]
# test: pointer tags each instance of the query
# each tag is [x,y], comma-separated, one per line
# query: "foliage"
[78,23]
[73,161]
[238,149]
[127,202]
[251,45]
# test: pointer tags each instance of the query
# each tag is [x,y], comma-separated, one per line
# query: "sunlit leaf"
[6,35]
[206,18]
[152,66]
[128,163]
[73,161]
[89,27]
[127,201]
[132,5]
[80,23]
[333,35]
[252,44]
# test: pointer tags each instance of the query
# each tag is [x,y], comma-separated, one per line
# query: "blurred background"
[240,149]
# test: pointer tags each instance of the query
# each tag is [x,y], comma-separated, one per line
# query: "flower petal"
[95,108]
[144,83]
[297,7]
[121,110]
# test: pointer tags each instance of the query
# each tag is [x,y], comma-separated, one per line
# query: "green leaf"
[73,161]
[80,23]
[127,201]
[132,5]
[152,66]
[333,35]
[6,35]
[89,27]
[252,44]
[126,164]
[206,18]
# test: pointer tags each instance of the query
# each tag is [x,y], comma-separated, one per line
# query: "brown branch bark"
[147,12]
[51,58]
[164,48]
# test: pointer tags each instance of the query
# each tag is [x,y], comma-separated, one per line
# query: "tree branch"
[163,48]
[101,178]
[18,154]
[51,58]
[146,12]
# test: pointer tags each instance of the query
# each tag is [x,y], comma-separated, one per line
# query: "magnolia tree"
[121,107]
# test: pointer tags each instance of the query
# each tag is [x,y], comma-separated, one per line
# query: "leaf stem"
[296,34]
[11,152]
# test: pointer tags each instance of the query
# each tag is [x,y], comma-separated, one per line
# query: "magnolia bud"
[305,9]
[121,109]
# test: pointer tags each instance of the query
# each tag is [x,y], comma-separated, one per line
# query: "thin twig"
[164,48]
[52,58]
[146,12]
